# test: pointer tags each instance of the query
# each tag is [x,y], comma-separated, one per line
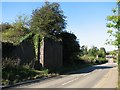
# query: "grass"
[12,74]
[19,74]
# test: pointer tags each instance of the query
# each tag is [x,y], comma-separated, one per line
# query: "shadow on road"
[90,69]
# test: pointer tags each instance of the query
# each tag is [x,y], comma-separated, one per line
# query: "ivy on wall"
[35,40]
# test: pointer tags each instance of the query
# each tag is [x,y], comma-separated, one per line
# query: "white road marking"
[70,81]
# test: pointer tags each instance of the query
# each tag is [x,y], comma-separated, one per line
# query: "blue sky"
[87,20]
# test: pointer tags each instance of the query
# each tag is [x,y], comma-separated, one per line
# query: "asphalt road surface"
[98,76]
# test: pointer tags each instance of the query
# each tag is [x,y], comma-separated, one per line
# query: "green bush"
[91,58]
[13,73]
[10,63]
[18,74]
[88,59]
[101,60]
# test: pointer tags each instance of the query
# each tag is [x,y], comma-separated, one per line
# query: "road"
[98,76]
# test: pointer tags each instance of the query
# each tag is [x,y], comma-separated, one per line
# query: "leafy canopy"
[48,20]
[102,52]
[93,51]
[114,26]
[17,32]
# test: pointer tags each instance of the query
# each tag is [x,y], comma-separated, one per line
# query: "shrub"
[12,72]
[18,74]
[101,60]
[9,63]
[88,59]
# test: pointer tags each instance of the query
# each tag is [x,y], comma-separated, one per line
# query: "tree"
[102,52]
[114,52]
[48,20]
[114,25]
[17,31]
[5,26]
[93,51]
[83,50]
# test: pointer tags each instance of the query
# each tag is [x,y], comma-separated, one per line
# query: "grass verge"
[13,75]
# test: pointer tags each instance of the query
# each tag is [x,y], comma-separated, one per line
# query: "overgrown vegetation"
[13,73]
[47,21]
[93,55]
[16,32]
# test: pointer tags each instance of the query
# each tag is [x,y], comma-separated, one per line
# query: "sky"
[87,20]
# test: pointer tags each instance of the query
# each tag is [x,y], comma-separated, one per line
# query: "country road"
[98,76]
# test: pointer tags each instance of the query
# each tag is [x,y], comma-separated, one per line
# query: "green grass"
[14,75]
